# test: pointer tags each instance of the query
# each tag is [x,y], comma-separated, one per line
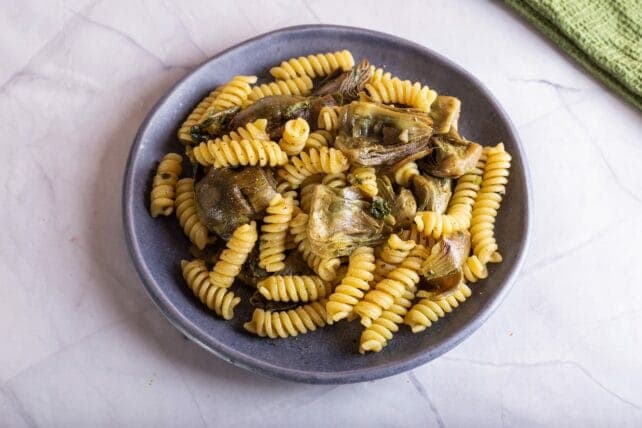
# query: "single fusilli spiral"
[375,337]
[295,134]
[405,277]
[284,324]
[164,185]
[318,65]
[392,254]
[295,86]
[273,233]
[392,90]
[186,213]
[404,174]
[184,132]
[329,118]
[484,211]
[428,309]
[313,161]
[326,268]
[353,285]
[318,139]
[233,93]
[220,300]
[239,153]
[378,74]
[474,270]
[364,178]
[235,254]
[293,288]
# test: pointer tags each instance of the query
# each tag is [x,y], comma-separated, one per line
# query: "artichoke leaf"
[432,193]
[450,157]
[227,198]
[339,222]
[445,113]
[447,255]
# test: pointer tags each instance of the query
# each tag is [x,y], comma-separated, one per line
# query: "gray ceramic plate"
[328,355]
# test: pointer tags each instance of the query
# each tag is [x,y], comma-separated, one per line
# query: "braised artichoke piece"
[445,113]
[447,255]
[446,285]
[340,222]
[348,84]
[404,209]
[227,198]
[214,126]
[372,134]
[259,301]
[450,157]
[278,109]
[432,193]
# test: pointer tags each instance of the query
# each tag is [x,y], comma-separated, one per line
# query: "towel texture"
[605,36]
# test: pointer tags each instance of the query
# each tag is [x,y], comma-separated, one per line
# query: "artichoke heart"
[340,222]
[451,157]
[447,255]
[432,193]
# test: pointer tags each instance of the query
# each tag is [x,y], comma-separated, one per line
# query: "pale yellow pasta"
[376,336]
[232,94]
[220,300]
[295,134]
[484,211]
[317,65]
[295,86]
[186,213]
[392,90]
[293,288]
[222,154]
[460,209]
[430,308]
[353,285]
[164,185]
[318,139]
[275,324]
[235,254]
[405,173]
[474,270]
[405,277]
[273,233]
[185,131]
[365,179]
[392,254]
[313,161]
[379,74]
[329,118]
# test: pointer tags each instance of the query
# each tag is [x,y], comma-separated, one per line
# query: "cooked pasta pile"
[337,191]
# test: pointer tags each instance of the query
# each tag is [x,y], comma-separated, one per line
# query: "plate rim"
[257,365]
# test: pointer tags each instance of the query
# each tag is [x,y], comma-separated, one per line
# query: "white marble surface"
[81,343]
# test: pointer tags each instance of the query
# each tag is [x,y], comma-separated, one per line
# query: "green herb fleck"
[379,208]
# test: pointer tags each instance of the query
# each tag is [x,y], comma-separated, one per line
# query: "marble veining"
[83,344]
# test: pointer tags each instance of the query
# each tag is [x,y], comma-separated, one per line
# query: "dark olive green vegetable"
[432,193]
[348,84]
[227,198]
[214,126]
[447,255]
[450,157]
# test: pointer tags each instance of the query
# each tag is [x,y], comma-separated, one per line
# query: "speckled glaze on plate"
[328,355]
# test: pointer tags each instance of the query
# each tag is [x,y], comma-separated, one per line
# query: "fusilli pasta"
[474,270]
[404,174]
[295,86]
[375,337]
[318,139]
[184,132]
[326,268]
[186,213]
[293,288]
[232,94]
[365,178]
[295,134]
[353,285]
[274,230]
[327,160]
[220,300]
[235,254]
[164,185]
[293,322]
[329,118]
[318,65]
[239,153]
[392,254]
[404,277]
[392,90]
[429,310]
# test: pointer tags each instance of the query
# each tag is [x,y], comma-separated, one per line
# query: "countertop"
[82,345]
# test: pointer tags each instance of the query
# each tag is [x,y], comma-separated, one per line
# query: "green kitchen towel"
[605,36]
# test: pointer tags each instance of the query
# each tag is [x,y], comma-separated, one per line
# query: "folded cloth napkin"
[605,36]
